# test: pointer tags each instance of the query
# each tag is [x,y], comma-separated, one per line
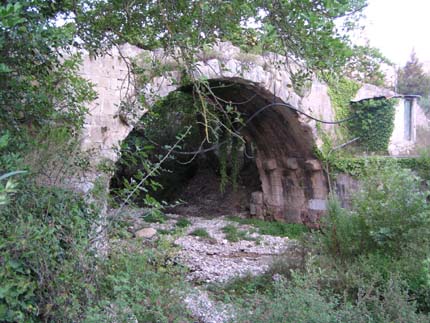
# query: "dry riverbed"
[214,251]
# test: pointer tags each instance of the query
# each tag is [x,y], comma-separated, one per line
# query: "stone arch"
[294,187]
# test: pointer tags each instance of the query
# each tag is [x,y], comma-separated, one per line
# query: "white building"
[411,127]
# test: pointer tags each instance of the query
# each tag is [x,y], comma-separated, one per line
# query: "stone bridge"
[294,187]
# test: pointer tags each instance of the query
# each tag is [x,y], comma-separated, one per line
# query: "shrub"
[385,233]
[139,286]
[423,163]
[390,213]
[45,263]
[294,301]
[395,209]
[345,235]
[154,216]
[303,299]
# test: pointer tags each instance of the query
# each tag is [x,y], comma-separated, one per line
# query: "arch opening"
[280,177]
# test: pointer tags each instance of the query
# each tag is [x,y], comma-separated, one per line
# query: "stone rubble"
[217,260]
[206,310]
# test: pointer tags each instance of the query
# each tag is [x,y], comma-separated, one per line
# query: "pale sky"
[398,26]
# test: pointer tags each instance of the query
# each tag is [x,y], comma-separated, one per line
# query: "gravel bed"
[217,260]
[206,310]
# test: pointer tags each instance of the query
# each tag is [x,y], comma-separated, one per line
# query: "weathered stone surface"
[319,205]
[370,91]
[345,186]
[270,164]
[146,233]
[313,165]
[257,197]
[257,210]
[291,163]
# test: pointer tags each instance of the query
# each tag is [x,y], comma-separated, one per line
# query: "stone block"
[270,164]
[257,198]
[256,210]
[313,165]
[291,163]
[317,204]
[292,215]
[259,212]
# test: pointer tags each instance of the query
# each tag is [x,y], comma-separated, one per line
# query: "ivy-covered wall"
[373,124]
[373,119]
[356,166]
[341,92]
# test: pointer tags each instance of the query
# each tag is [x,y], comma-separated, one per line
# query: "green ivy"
[341,92]
[374,123]
[356,166]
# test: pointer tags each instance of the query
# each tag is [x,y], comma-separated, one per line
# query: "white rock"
[146,233]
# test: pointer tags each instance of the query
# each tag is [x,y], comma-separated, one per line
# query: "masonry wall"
[113,83]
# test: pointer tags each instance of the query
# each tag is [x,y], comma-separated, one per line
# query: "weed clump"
[274,228]
[200,232]
[183,223]
[233,234]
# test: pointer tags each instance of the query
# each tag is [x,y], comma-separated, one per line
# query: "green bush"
[394,206]
[139,286]
[47,267]
[293,303]
[154,216]
[422,164]
[390,213]
[45,263]
[304,299]
[345,235]
[386,233]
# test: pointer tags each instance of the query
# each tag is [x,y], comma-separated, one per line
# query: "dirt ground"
[202,195]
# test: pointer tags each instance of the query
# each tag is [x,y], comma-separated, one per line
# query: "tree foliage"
[38,80]
[303,30]
[411,79]
[364,65]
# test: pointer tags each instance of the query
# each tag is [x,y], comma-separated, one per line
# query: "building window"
[408,119]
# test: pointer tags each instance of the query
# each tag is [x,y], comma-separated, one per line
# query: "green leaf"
[4,68]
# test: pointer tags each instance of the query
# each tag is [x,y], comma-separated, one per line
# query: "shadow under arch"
[293,185]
